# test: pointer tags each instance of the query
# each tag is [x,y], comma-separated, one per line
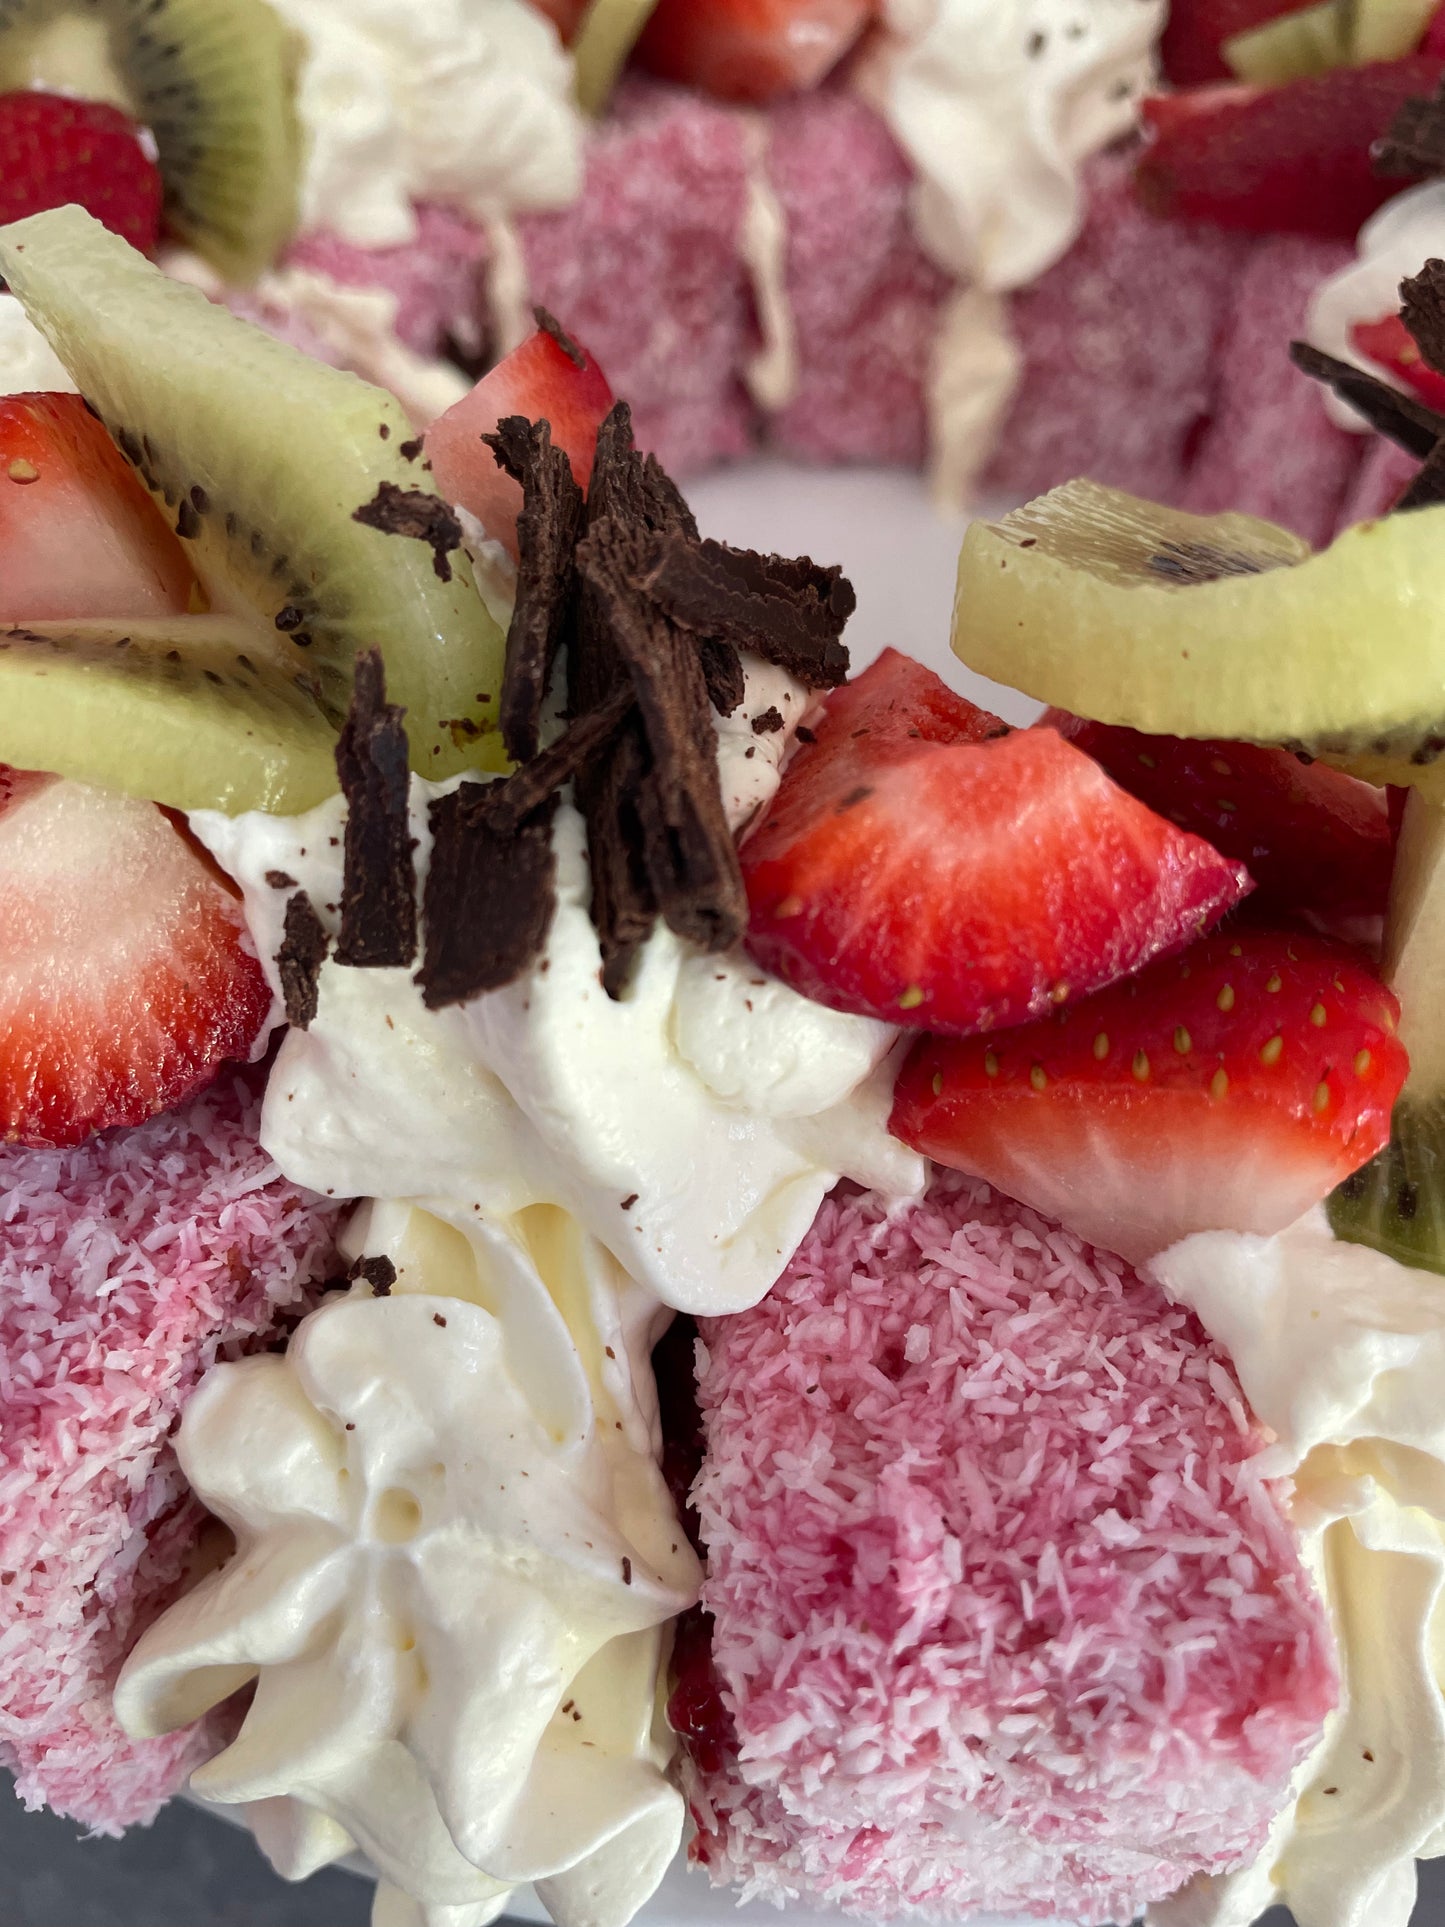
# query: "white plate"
[901,556]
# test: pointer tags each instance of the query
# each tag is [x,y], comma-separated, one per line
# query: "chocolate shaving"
[633,488]
[1405,420]
[490,895]
[561,762]
[304,944]
[547,532]
[723,672]
[1427,490]
[1414,146]
[414,513]
[791,613]
[1422,299]
[550,325]
[378,1272]
[378,892]
[688,851]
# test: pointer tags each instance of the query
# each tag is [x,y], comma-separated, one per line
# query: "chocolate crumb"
[490,895]
[1409,422]
[378,1272]
[279,880]
[409,451]
[627,1204]
[626,1570]
[768,721]
[437,1319]
[550,325]
[414,513]
[1414,146]
[304,944]
[548,527]
[806,735]
[378,895]
[1422,298]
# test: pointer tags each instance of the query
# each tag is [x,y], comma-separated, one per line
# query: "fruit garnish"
[54,150]
[750,49]
[1390,345]
[1291,159]
[1313,839]
[548,378]
[565,15]
[1184,625]
[924,864]
[606,36]
[126,973]
[265,459]
[1229,1088]
[79,536]
[1333,33]
[213,80]
[1190,49]
[187,710]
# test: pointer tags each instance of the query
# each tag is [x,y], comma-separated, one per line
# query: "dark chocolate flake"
[1422,310]
[1409,422]
[280,880]
[1414,146]
[378,896]
[790,612]
[490,895]
[413,513]
[378,1272]
[579,745]
[722,671]
[1427,490]
[304,944]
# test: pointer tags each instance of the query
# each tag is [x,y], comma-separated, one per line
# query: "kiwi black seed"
[262,458]
[1396,1202]
[215,82]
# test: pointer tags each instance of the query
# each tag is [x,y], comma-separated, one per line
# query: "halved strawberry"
[1313,839]
[549,378]
[565,15]
[1434,41]
[1389,343]
[1291,159]
[126,974]
[750,49]
[55,150]
[79,535]
[924,864]
[1229,1088]
[1189,50]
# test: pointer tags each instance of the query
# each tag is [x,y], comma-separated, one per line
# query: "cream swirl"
[28,363]
[1341,1353]
[454,1559]
[463,101]
[997,106]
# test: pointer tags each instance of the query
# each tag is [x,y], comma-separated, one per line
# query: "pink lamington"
[1271,449]
[1004,1617]
[1119,343]
[127,1266]
[647,270]
[866,300]
[437,277]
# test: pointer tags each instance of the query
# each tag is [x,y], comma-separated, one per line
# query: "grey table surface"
[189,1870]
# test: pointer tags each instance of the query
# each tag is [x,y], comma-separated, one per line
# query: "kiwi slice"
[183,710]
[1396,1202]
[214,80]
[607,35]
[1186,625]
[1309,42]
[263,457]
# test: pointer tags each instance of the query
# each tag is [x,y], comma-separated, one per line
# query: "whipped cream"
[455,1557]
[974,375]
[468,102]
[772,372]
[693,1127]
[1341,1354]
[998,106]
[1393,244]
[28,363]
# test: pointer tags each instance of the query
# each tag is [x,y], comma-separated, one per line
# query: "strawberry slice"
[126,973]
[565,15]
[925,864]
[79,535]
[55,150]
[1313,839]
[1390,345]
[1189,50]
[549,378]
[750,49]
[1279,159]
[1227,1089]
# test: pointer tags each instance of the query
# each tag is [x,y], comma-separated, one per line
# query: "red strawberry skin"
[79,535]
[1229,1088]
[1189,50]
[545,379]
[565,15]
[54,150]
[1389,343]
[1313,839]
[126,974]
[750,50]
[920,866]
[1291,159]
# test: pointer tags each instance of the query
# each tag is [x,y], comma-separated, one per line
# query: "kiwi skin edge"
[1396,1202]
